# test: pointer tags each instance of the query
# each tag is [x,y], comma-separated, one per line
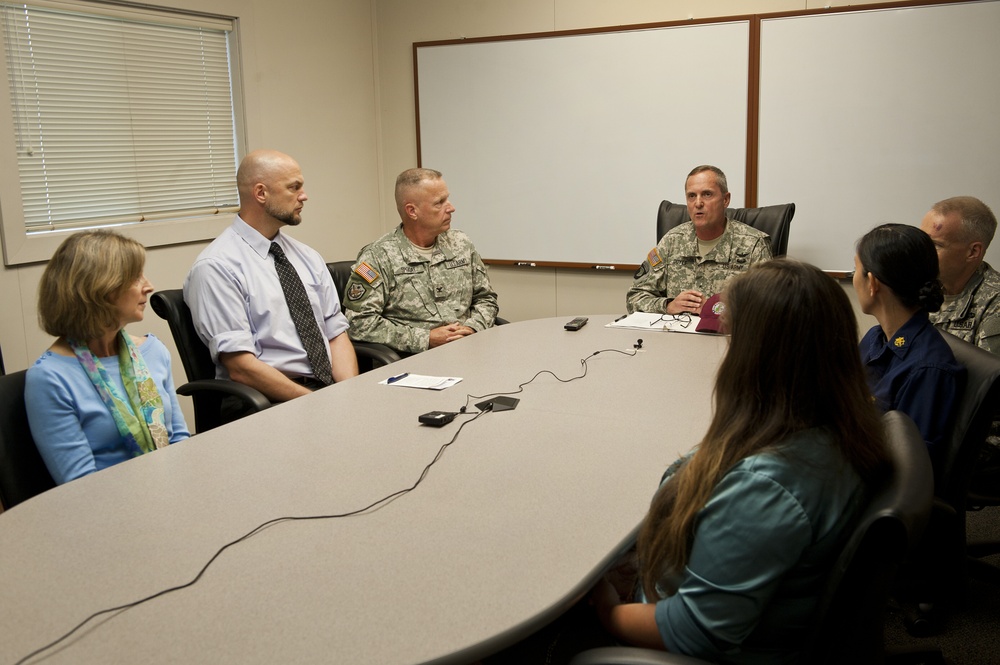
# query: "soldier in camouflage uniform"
[423,285]
[962,228]
[693,261]
[974,314]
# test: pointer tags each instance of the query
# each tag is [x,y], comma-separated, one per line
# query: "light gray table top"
[510,527]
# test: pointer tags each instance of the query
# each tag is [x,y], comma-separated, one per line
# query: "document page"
[658,322]
[422,381]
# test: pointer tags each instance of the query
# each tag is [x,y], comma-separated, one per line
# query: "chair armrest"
[251,397]
[633,656]
[977,501]
[379,354]
[941,509]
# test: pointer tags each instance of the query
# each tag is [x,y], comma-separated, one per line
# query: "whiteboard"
[873,116]
[560,148]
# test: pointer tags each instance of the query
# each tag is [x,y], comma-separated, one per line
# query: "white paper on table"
[658,322]
[424,381]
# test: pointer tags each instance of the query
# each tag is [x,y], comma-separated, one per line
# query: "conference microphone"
[638,344]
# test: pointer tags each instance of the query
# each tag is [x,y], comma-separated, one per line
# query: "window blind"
[118,119]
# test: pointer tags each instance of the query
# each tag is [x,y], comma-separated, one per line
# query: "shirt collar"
[963,300]
[903,340]
[441,250]
[722,250]
[252,237]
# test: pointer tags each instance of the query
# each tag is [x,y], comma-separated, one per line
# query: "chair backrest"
[340,271]
[978,408]
[22,471]
[772,220]
[849,626]
[195,356]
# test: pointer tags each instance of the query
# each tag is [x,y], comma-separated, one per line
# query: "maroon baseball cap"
[711,315]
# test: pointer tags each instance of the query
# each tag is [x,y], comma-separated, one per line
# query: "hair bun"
[931,295]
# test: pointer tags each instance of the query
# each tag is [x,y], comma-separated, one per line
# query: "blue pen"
[398,377]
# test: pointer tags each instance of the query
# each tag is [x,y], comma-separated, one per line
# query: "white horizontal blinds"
[119,120]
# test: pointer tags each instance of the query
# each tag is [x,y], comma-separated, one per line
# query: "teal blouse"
[763,544]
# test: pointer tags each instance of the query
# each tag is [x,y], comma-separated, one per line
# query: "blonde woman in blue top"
[98,396]
[736,545]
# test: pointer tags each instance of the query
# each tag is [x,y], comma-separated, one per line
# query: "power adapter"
[437,418]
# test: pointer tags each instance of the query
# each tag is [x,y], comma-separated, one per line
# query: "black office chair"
[848,628]
[341,271]
[977,410]
[772,220]
[206,391]
[945,559]
[370,354]
[22,471]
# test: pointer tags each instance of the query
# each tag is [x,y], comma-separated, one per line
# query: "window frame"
[20,247]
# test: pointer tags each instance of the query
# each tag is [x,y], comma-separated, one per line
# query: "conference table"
[514,522]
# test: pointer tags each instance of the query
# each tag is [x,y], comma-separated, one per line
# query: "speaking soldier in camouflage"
[424,284]
[693,261]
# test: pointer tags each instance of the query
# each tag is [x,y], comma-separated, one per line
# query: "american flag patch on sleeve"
[366,272]
[654,258]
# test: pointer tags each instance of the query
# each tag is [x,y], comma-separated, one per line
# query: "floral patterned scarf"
[139,434]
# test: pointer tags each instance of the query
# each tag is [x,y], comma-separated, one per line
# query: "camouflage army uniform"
[975,317]
[975,314]
[395,296]
[673,265]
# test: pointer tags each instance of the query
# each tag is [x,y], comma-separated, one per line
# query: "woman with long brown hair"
[737,542]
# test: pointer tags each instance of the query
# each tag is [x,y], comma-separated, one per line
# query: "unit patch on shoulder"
[366,272]
[654,258]
[355,291]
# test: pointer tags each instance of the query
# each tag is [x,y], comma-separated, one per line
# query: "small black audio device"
[437,418]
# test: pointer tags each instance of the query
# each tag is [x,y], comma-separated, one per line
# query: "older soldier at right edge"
[962,228]
[693,261]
